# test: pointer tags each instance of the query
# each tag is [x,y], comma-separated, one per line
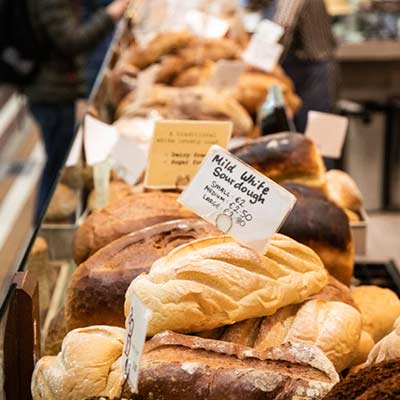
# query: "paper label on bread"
[237,199]
[136,328]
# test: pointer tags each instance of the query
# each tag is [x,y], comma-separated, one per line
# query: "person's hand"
[117,9]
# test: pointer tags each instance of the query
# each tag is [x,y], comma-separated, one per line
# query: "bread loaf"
[361,353]
[379,309]
[96,293]
[63,205]
[188,368]
[343,190]
[87,366]
[285,157]
[216,281]
[117,190]
[320,224]
[376,382]
[125,216]
[332,326]
[254,87]
[387,348]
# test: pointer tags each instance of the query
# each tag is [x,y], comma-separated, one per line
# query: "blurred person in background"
[60,80]
[97,55]
[309,55]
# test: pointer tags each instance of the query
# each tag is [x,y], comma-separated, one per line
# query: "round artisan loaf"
[342,190]
[284,157]
[127,215]
[96,293]
[216,281]
[88,365]
[379,309]
[322,225]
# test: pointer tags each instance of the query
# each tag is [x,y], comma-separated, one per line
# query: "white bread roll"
[332,326]
[379,309]
[216,281]
[88,365]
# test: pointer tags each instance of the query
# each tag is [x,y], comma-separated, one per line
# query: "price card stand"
[22,337]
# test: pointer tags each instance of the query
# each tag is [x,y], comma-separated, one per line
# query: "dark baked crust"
[127,215]
[369,381]
[283,156]
[320,224]
[182,367]
[96,293]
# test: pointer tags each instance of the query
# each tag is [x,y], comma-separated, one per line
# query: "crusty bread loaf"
[63,205]
[364,347]
[188,368]
[175,366]
[88,365]
[117,190]
[125,216]
[332,326]
[343,190]
[379,309]
[254,86]
[285,157]
[322,225]
[217,281]
[55,334]
[96,293]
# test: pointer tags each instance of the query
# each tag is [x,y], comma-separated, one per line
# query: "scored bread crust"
[127,215]
[216,281]
[183,367]
[285,157]
[96,293]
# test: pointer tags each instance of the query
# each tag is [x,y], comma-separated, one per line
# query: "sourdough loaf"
[96,293]
[188,368]
[125,216]
[285,157]
[216,281]
[322,225]
[63,205]
[117,191]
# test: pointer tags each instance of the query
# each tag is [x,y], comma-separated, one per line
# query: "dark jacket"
[61,78]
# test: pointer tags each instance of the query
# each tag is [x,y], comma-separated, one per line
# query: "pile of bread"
[181,87]
[227,322]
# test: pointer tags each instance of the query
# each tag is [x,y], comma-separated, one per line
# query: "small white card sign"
[206,25]
[237,199]
[98,139]
[263,51]
[135,337]
[226,74]
[328,131]
[129,160]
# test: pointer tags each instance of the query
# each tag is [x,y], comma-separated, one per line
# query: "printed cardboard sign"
[99,138]
[328,131]
[135,337]
[226,74]
[237,199]
[178,148]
